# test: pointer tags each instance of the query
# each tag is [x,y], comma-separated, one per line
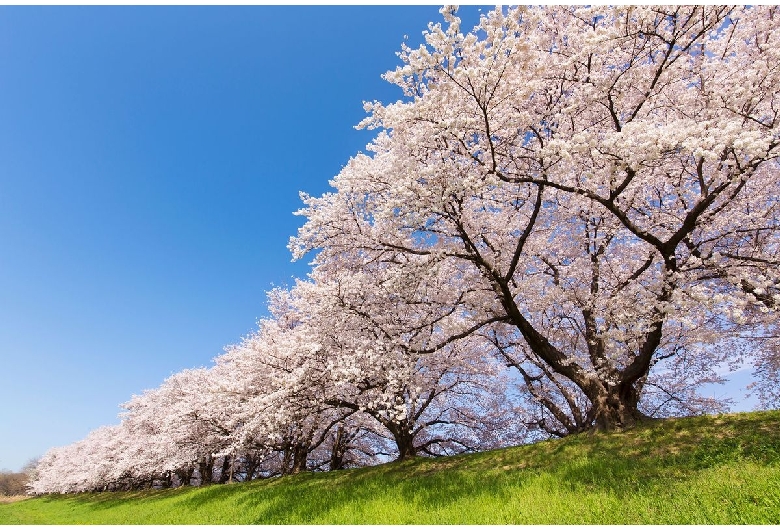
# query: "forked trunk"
[404,441]
[299,460]
[185,475]
[616,408]
[166,480]
[294,459]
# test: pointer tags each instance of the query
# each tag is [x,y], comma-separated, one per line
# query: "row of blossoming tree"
[571,221]
[320,386]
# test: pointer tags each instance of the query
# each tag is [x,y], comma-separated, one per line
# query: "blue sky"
[150,162]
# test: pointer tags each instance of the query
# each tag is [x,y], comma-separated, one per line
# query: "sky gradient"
[150,164]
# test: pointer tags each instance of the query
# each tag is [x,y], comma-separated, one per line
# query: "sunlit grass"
[722,470]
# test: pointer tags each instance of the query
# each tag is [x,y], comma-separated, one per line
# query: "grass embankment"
[723,470]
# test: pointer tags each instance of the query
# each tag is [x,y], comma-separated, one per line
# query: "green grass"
[704,470]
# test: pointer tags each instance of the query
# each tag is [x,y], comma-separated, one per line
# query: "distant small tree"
[12,484]
[30,466]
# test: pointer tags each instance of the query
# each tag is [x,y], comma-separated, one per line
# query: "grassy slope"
[723,470]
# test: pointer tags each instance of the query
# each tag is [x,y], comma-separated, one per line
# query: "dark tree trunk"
[300,456]
[404,441]
[166,480]
[338,449]
[225,469]
[294,459]
[250,467]
[185,475]
[616,408]
[206,470]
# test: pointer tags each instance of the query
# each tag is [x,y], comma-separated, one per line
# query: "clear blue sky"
[150,162]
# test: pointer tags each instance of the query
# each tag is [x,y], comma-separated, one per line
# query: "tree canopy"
[595,188]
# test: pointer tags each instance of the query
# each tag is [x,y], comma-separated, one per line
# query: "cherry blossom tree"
[397,362]
[335,360]
[91,464]
[158,422]
[595,190]
[280,415]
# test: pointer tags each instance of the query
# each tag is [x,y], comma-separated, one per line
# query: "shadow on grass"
[651,456]
[420,485]
[109,500]
[620,464]
[633,461]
